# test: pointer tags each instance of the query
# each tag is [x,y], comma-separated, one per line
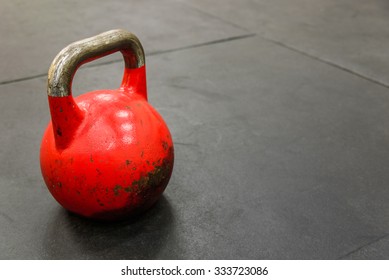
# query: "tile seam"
[228,39]
[364,246]
[325,61]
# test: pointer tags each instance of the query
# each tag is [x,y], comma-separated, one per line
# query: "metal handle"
[66,63]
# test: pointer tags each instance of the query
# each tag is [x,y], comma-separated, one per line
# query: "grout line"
[148,54]
[206,43]
[363,246]
[22,79]
[180,48]
[326,62]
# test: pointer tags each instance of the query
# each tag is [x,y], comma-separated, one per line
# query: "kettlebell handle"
[66,63]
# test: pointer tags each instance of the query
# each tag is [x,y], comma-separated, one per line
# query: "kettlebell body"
[106,154]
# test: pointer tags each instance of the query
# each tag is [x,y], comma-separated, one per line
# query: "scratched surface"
[280,154]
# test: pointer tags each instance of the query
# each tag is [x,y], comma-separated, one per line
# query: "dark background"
[279,111]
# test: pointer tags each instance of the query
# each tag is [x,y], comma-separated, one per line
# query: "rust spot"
[91,158]
[99,202]
[116,189]
[157,177]
[165,145]
[128,162]
[147,189]
[141,183]
[141,154]
[59,132]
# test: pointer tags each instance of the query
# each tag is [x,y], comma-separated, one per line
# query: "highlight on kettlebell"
[106,154]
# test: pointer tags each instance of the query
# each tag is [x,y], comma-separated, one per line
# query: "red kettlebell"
[106,154]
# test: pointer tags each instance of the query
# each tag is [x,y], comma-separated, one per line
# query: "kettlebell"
[106,154]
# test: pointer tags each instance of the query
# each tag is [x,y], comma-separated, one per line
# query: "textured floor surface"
[279,112]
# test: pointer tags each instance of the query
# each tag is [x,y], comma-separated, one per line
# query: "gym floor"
[279,111]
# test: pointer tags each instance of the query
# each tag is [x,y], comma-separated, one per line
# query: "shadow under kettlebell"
[69,236]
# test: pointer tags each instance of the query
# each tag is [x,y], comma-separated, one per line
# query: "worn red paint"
[107,154]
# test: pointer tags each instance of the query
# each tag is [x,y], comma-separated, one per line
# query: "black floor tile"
[352,34]
[33,32]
